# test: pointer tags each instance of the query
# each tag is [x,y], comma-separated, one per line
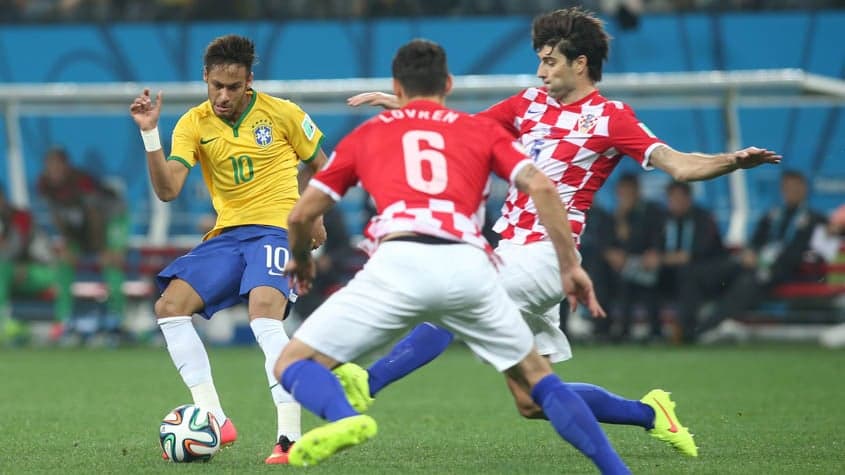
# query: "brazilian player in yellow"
[249,146]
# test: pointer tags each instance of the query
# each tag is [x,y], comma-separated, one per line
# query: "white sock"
[188,354]
[271,337]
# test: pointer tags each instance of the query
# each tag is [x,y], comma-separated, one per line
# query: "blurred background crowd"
[657,250]
[192,10]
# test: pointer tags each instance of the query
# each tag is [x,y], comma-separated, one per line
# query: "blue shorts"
[224,269]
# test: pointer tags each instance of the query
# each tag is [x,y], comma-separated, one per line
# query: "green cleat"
[667,427]
[321,443]
[356,384]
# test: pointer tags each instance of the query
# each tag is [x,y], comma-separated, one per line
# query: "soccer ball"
[189,434]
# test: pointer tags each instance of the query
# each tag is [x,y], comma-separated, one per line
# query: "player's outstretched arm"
[304,174]
[375,99]
[698,166]
[311,205]
[167,177]
[576,283]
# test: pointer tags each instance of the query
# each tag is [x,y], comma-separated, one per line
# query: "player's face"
[557,73]
[227,87]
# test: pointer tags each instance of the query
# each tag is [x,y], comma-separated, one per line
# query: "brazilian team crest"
[263,133]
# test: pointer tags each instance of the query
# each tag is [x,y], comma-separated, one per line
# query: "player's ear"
[204,74]
[249,79]
[397,89]
[449,84]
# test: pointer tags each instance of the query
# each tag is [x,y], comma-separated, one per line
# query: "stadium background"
[762,408]
[812,139]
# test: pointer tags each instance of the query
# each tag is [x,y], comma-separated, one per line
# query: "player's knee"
[166,306]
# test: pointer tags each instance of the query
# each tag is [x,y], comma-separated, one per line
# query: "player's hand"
[301,274]
[579,289]
[375,99]
[752,156]
[318,233]
[144,111]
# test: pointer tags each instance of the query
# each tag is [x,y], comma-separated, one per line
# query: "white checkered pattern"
[577,145]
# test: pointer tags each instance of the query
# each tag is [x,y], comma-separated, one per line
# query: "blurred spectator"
[777,249]
[91,220]
[594,241]
[633,255]
[24,263]
[692,248]
[337,261]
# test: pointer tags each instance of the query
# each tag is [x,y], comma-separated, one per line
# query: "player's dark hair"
[681,186]
[574,32]
[420,67]
[230,49]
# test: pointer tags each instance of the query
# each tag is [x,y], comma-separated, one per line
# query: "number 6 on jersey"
[415,157]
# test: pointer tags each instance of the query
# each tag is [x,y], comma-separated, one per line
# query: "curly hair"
[574,32]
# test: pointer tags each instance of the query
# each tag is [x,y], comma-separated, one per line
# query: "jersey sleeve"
[631,137]
[340,173]
[509,156]
[503,113]
[302,134]
[185,141]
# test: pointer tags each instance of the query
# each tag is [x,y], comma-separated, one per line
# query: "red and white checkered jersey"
[577,145]
[427,168]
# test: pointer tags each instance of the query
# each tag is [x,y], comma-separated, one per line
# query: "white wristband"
[152,142]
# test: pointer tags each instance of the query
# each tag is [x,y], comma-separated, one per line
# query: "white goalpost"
[726,90]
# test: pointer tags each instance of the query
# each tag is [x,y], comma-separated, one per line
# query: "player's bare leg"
[306,373]
[266,312]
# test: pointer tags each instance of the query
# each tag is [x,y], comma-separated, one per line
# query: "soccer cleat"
[667,427]
[228,436]
[281,451]
[321,443]
[356,384]
[228,433]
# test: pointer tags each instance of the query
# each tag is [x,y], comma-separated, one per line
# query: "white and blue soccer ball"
[189,434]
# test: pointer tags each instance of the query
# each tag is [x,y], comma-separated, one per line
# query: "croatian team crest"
[586,122]
[263,133]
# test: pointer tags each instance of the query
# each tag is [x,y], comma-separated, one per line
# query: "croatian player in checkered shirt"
[427,167]
[577,137]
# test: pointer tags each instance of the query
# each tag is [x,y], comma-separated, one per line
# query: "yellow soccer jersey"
[250,167]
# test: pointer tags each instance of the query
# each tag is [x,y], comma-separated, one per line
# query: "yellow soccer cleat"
[321,443]
[356,384]
[667,427]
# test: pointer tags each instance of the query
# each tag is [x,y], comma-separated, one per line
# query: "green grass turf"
[760,409]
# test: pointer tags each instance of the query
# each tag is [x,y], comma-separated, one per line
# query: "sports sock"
[188,354]
[318,389]
[425,342]
[572,419]
[271,337]
[612,409]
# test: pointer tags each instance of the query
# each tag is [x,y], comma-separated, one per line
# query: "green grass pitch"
[756,409]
